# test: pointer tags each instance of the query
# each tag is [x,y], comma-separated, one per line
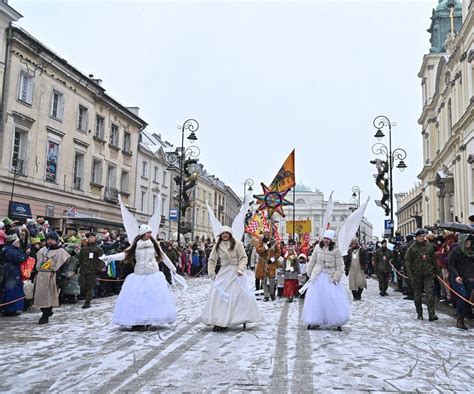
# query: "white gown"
[231,300]
[146,297]
[326,304]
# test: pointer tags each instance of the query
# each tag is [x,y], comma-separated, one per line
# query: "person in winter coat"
[292,270]
[461,270]
[49,258]
[11,257]
[90,266]
[326,303]
[420,263]
[68,277]
[383,257]
[269,252]
[231,301]
[3,236]
[355,265]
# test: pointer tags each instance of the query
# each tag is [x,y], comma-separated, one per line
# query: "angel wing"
[328,213]
[155,220]
[349,228]
[215,224]
[129,221]
[238,225]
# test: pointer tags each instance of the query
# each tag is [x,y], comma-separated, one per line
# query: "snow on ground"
[383,348]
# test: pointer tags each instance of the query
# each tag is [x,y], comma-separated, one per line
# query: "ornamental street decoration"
[272,201]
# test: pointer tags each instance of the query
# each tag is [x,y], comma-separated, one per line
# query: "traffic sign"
[174,214]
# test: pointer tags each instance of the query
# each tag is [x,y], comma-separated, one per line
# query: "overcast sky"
[261,78]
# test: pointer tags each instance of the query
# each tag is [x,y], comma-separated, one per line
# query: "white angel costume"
[231,300]
[146,297]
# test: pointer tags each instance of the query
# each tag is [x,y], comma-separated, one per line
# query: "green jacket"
[382,260]
[420,260]
[89,262]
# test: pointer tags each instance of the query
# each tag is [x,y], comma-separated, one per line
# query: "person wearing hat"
[326,303]
[49,259]
[12,287]
[292,270]
[420,263]
[471,220]
[231,300]
[407,287]
[146,297]
[383,257]
[461,270]
[355,265]
[266,269]
[89,267]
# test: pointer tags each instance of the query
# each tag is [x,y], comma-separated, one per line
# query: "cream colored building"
[311,205]
[447,80]
[409,211]
[67,147]
[204,191]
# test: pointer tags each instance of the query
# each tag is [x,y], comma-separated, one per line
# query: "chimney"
[135,110]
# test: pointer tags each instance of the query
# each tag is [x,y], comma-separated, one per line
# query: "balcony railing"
[77,183]
[111,194]
[17,167]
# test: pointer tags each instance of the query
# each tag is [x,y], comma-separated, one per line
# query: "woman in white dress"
[326,302]
[231,300]
[146,297]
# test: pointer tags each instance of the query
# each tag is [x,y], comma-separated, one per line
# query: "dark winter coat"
[89,262]
[460,265]
[11,258]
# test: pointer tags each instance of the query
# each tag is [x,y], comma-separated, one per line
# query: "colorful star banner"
[272,201]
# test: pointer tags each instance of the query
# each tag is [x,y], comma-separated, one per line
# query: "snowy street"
[383,348]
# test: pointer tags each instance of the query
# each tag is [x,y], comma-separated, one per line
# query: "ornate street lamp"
[248,182]
[399,154]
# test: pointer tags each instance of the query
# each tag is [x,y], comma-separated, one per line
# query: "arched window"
[300,201]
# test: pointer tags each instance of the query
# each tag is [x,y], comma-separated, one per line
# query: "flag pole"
[294,206]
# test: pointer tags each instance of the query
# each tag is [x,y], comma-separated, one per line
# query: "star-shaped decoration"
[272,201]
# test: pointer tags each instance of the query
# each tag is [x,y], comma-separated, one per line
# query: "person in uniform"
[268,254]
[355,265]
[89,267]
[420,263]
[383,257]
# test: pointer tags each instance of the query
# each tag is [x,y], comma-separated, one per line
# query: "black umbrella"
[457,227]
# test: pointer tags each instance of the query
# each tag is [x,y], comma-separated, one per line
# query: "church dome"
[302,188]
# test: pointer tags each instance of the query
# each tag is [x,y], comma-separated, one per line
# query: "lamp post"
[191,126]
[356,195]
[399,154]
[248,182]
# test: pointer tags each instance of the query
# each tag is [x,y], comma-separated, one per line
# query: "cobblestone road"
[383,348]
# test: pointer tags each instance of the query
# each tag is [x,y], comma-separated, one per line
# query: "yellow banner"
[285,179]
[301,226]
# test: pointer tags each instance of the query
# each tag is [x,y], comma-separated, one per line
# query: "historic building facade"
[67,147]
[409,211]
[447,81]
[311,205]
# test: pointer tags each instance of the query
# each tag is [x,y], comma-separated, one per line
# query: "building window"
[127,142]
[78,171]
[111,177]
[20,149]
[144,169]
[124,182]
[99,127]
[25,87]
[52,161]
[82,118]
[154,203]
[57,105]
[114,135]
[96,171]
[450,117]
[143,201]
[165,177]
[155,174]
[163,203]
